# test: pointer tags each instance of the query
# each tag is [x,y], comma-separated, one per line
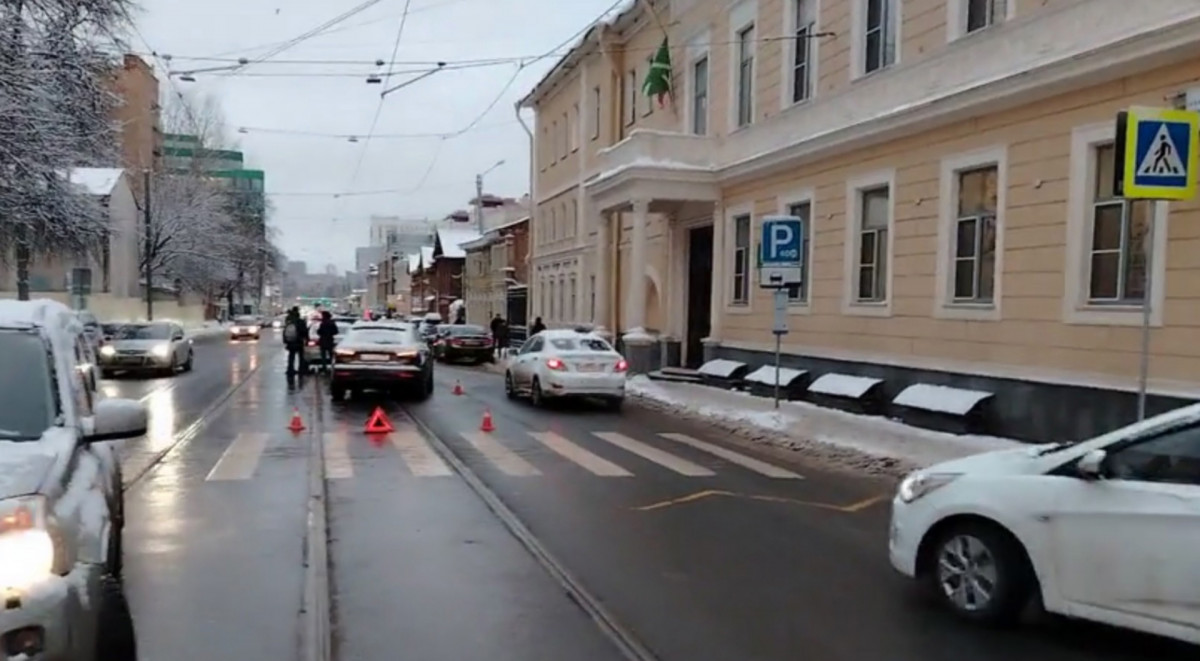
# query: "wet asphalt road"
[695,553]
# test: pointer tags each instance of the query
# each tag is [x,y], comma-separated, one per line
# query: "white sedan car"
[1104,530]
[557,364]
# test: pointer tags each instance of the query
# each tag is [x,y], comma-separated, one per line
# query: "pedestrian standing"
[497,335]
[295,336]
[326,332]
[537,327]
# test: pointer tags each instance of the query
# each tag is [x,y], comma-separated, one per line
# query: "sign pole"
[780,330]
[1144,368]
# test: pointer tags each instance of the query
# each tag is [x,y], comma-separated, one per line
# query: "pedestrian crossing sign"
[1157,154]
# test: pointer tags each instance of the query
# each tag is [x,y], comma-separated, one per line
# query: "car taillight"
[556,364]
[312,343]
[621,366]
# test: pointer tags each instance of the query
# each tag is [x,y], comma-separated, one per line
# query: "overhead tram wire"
[362,154]
[295,41]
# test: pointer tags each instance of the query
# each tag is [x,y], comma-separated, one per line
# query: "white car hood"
[1016,461]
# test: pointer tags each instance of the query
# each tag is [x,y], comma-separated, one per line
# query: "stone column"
[712,343]
[638,344]
[602,274]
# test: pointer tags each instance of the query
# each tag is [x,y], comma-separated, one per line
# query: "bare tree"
[54,115]
[199,115]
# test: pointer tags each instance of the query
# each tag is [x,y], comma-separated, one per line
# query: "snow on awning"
[843,385]
[451,239]
[721,368]
[940,399]
[765,375]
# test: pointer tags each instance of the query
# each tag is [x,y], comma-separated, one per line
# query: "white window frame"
[741,16]
[855,186]
[945,307]
[858,33]
[697,50]
[597,106]
[1076,308]
[956,18]
[786,202]
[573,124]
[730,228]
[788,37]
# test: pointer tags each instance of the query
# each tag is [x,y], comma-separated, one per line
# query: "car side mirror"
[116,419]
[1091,466]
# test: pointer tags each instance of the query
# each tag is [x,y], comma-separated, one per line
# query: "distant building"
[139,116]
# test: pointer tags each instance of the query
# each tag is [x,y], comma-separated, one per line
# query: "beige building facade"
[953,160]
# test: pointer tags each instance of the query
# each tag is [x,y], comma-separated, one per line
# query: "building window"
[649,109]
[1119,230]
[745,76]
[984,13]
[550,315]
[803,210]
[574,313]
[565,138]
[554,142]
[592,297]
[974,239]
[596,112]
[543,310]
[631,97]
[563,312]
[700,97]
[879,42]
[553,233]
[741,260]
[805,28]
[872,265]
[573,136]
[574,218]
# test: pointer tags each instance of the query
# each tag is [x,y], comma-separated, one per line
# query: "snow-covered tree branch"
[54,115]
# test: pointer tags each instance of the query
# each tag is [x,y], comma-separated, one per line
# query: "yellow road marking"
[710,493]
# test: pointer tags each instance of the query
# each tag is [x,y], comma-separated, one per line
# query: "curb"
[316,640]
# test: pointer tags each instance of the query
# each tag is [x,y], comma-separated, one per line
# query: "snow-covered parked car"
[557,364]
[61,504]
[1105,529]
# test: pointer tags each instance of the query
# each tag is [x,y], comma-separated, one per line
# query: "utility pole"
[148,245]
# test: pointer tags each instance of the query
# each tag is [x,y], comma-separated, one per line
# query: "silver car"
[159,347]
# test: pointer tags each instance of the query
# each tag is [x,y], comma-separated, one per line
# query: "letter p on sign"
[782,238]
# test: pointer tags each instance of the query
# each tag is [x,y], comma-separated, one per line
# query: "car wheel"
[115,637]
[980,572]
[116,551]
[535,393]
[510,389]
[187,366]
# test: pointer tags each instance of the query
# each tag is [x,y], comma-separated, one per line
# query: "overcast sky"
[431,176]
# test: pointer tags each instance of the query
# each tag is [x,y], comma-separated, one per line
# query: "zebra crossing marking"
[590,462]
[338,465]
[760,467]
[651,453]
[506,460]
[240,460]
[421,459]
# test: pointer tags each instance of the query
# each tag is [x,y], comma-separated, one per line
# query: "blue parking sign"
[781,252]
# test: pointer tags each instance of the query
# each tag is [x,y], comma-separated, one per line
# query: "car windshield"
[26,396]
[88,319]
[245,321]
[465,329]
[143,332]
[584,344]
[379,336]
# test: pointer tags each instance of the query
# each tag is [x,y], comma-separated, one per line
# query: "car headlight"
[27,554]
[161,350]
[107,350]
[920,484]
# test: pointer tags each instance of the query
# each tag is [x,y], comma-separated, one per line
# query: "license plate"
[590,367]
[374,357]
[472,343]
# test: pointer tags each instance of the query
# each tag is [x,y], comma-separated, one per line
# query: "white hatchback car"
[1105,530]
[557,364]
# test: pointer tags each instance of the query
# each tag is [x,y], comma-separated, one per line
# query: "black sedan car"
[463,342]
[382,355]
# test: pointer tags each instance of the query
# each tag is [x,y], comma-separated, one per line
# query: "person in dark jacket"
[537,327]
[499,335]
[326,332]
[295,336]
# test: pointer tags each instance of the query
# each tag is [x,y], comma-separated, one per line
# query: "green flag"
[658,78]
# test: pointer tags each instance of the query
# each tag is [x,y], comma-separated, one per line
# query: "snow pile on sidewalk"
[876,445]
[207,330]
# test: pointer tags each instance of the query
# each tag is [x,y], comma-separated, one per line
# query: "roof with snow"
[449,242]
[97,181]
[426,256]
[37,312]
[414,262]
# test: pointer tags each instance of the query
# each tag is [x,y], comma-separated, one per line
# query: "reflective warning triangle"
[379,423]
[1162,158]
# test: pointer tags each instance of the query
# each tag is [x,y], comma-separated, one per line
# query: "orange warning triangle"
[379,423]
